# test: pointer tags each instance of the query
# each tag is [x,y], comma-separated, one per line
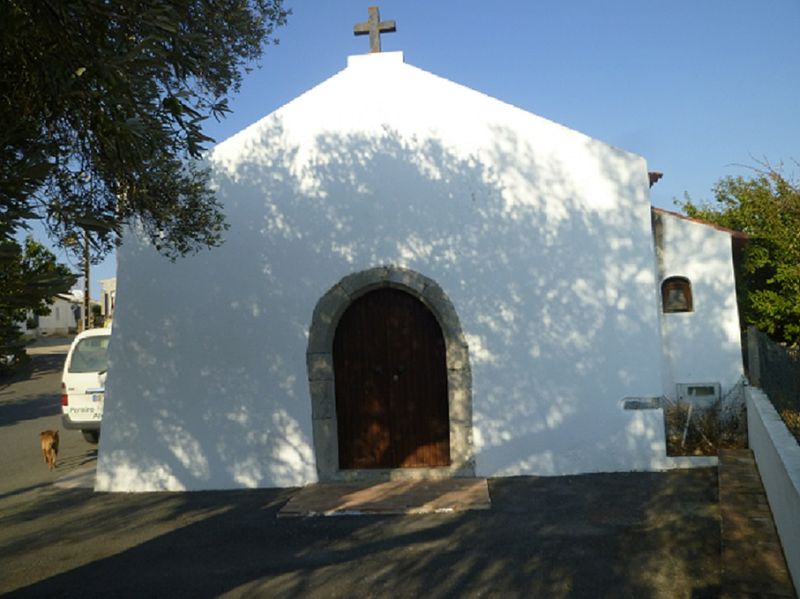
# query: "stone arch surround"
[319,360]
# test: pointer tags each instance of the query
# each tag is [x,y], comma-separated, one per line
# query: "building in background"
[108,301]
[64,317]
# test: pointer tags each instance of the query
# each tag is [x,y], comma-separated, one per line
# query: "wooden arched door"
[391,384]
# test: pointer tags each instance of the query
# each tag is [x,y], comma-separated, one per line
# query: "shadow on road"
[76,461]
[21,396]
[23,409]
[634,534]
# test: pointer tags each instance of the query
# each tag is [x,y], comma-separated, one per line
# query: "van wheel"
[91,436]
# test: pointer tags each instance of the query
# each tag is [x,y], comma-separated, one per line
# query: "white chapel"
[418,280]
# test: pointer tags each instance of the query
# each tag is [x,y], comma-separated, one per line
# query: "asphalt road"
[29,404]
[606,535]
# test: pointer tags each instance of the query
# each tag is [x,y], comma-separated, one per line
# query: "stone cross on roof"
[374,26]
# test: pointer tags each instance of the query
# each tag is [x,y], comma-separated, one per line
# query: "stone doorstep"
[392,497]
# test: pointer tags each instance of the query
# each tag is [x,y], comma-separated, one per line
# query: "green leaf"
[767,208]
[119,91]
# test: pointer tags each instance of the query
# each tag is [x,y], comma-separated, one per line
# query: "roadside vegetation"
[766,207]
[29,280]
[102,113]
[694,432]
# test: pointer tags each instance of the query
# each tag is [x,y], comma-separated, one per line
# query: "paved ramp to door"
[753,564]
[393,497]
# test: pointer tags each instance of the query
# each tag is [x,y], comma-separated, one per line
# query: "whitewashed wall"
[702,346]
[540,236]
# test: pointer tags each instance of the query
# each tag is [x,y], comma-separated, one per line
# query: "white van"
[83,383]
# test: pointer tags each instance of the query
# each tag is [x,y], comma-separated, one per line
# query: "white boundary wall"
[777,454]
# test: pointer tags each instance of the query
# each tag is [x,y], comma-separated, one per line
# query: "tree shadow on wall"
[555,292]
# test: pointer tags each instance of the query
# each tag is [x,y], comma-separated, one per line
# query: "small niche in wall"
[676,295]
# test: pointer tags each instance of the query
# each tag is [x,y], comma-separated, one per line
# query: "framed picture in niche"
[676,295]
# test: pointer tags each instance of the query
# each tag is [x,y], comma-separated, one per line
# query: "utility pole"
[85,279]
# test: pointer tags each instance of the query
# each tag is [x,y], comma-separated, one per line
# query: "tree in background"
[102,104]
[29,280]
[767,208]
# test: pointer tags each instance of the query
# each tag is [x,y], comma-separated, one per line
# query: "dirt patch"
[791,416]
[697,432]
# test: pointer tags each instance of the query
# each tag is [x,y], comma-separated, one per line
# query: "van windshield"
[90,355]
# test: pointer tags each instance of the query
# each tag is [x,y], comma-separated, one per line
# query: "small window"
[676,295]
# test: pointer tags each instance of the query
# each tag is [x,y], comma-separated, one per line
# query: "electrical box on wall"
[701,395]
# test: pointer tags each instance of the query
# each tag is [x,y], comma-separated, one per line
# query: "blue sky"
[699,88]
